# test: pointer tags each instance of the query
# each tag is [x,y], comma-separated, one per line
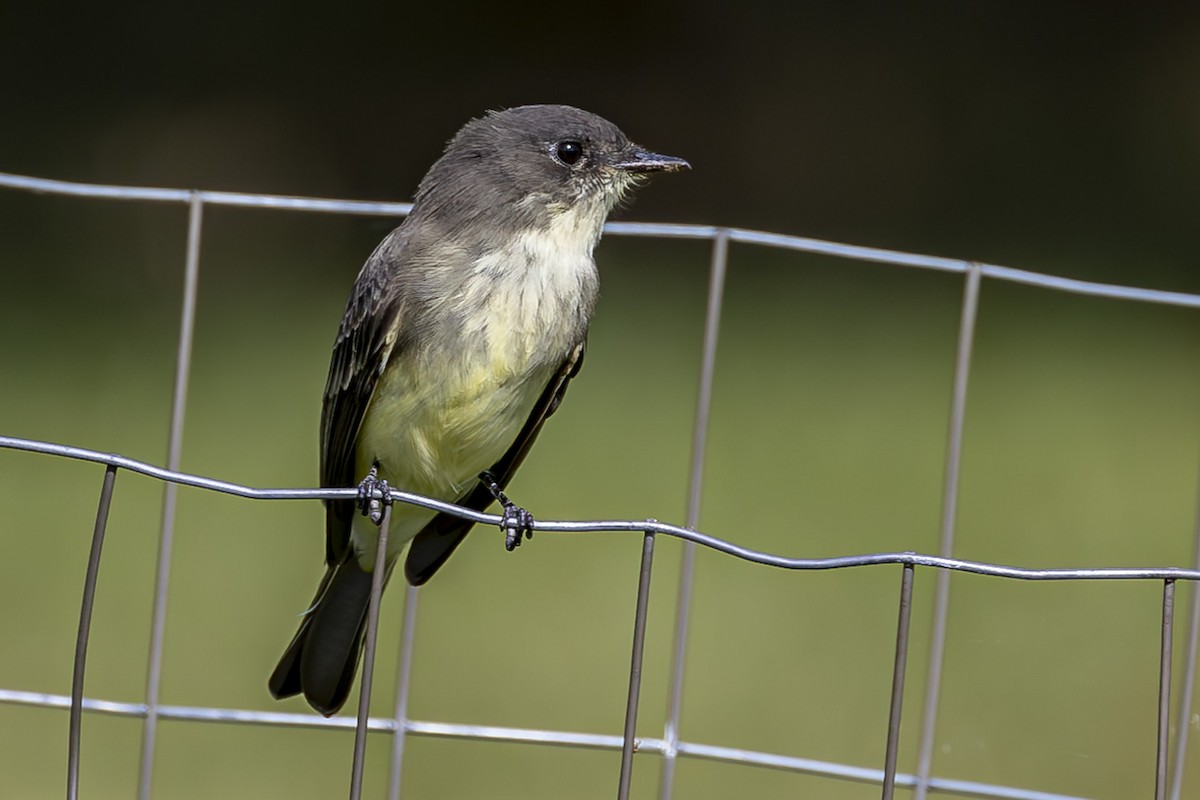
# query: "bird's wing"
[437,540]
[368,336]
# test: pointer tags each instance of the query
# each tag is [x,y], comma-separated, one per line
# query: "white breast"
[439,418]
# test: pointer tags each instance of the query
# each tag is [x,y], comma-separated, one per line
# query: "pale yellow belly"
[433,434]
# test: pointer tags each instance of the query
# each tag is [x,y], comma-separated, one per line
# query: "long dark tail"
[323,657]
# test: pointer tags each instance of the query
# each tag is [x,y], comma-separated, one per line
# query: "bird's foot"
[370,505]
[516,522]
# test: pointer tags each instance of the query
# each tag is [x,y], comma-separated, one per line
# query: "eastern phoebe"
[460,336]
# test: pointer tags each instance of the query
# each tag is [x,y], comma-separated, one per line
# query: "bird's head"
[536,163]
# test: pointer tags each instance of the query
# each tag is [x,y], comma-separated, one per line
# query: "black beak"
[635,159]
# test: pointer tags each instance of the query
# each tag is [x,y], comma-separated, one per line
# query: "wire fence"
[1169,764]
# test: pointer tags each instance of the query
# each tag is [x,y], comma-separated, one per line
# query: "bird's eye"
[569,152]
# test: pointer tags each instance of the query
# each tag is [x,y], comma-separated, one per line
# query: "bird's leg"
[370,505]
[516,520]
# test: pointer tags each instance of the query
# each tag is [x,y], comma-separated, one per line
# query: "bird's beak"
[635,159]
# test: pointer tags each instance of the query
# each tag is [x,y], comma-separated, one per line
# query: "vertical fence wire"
[1183,715]
[162,576]
[1164,690]
[403,682]
[378,577]
[899,664]
[687,567]
[635,666]
[937,639]
[74,732]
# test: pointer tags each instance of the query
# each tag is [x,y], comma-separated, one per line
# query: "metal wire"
[617,526]
[1184,713]
[403,681]
[492,733]
[899,664]
[670,747]
[687,566]
[162,575]
[368,656]
[941,601]
[657,230]
[1164,690]
[628,744]
[75,728]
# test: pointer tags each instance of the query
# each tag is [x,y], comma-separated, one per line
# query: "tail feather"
[322,659]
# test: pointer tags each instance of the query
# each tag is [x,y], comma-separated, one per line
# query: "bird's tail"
[323,657]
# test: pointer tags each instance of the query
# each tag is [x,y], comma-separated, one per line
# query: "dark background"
[1060,139]
[1020,133]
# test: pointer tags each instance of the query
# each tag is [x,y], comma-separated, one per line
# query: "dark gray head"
[526,165]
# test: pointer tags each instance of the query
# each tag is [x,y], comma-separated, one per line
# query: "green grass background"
[828,434]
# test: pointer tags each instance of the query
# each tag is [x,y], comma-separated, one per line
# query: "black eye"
[569,153]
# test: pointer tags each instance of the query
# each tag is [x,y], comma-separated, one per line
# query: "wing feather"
[369,334]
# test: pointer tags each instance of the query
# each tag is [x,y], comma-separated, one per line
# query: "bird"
[461,333]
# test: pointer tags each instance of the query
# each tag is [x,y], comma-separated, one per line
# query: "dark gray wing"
[437,540]
[368,335]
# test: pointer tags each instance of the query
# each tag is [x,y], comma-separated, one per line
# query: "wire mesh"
[1169,765]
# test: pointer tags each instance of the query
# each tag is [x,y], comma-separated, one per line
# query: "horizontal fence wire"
[612,525]
[650,229]
[671,746]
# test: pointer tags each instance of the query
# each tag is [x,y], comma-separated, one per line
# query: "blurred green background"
[1063,140]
